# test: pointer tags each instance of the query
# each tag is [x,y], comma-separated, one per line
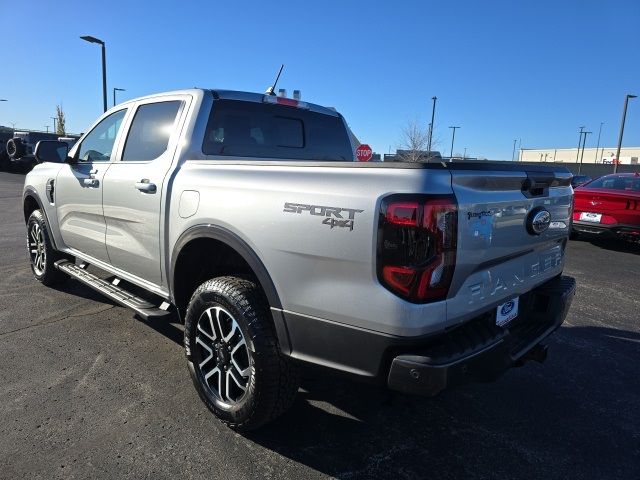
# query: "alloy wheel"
[222,356]
[37,248]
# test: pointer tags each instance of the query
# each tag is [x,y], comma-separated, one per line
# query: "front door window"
[97,146]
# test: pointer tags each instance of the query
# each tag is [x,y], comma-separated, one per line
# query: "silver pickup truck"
[246,217]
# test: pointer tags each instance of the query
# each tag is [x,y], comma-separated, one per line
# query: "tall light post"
[624,118]
[433,114]
[47,127]
[54,123]
[513,154]
[579,142]
[114,94]
[464,155]
[584,140]
[90,39]
[453,137]
[598,144]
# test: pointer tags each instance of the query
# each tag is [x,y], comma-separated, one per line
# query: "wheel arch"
[235,244]
[30,203]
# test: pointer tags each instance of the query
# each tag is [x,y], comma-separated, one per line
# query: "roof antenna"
[271,89]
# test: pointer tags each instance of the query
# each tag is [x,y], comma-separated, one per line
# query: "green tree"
[60,127]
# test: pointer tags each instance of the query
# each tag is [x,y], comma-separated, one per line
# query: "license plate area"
[506,312]
[590,217]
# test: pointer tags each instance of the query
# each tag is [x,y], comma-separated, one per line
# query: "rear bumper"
[618,230]
[481,351]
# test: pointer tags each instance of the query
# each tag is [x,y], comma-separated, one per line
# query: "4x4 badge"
[335,217]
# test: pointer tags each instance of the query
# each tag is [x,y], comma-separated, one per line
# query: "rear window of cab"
[257,130]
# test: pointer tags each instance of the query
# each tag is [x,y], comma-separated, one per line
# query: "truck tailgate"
[500,255]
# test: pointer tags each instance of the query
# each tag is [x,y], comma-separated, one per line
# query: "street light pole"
[433,114]
[54,123]
[584,140]
[624,118]
[513,154]
[453,137]
[579,142]
[90,39]
[47,127]
[114,94]
[464,155]
[598,144]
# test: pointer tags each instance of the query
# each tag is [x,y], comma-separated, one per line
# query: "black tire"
[15,148]
[43,269]
[272,381]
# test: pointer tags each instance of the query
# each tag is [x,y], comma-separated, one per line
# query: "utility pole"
[584,140]
[433,114]
[47,127]
[624,118]
[54,123]
[579,142]
[598,144]
[513,154]
[453,137]
[464,155]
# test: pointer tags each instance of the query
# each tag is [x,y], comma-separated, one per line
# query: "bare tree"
[414,141]
[60,127]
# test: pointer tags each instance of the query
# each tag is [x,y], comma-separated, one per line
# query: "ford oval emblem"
[507,308]
[538,221]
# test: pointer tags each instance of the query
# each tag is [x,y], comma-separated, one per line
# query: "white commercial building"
[628,155]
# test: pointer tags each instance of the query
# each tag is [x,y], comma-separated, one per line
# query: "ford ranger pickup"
[247,217]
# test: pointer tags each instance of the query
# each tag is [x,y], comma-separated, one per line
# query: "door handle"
[91,182]
[145,186]
[94,171]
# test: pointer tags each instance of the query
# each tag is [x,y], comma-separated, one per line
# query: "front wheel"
[41,252]
[233,354]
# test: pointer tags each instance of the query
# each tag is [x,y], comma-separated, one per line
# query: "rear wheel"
[234,358]
[41,252]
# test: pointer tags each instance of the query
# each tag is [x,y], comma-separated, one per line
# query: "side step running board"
[116,293]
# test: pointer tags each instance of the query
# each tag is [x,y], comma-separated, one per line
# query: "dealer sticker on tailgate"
[507,312]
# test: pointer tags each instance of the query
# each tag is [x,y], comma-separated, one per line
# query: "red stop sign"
[364,152]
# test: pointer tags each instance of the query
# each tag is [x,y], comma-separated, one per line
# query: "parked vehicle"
[19,149]
[609,205]
[247,216]
[578,180]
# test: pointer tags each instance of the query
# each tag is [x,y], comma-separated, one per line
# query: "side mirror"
[51,151]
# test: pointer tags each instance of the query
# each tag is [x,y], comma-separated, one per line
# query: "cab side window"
[97,146]
[150,131]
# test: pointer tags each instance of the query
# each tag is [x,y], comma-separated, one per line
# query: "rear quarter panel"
[318,270]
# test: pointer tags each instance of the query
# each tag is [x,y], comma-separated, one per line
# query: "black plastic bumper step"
[112,290]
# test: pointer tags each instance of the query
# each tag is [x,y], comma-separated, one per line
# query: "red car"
[609,205]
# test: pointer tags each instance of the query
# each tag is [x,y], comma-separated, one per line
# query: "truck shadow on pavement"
[570,418]
[612,244]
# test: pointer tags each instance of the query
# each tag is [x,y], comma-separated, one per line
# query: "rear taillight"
[417,246]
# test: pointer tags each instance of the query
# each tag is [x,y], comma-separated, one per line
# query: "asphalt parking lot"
[87,390]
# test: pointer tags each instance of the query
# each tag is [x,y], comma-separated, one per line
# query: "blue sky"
[534,70]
